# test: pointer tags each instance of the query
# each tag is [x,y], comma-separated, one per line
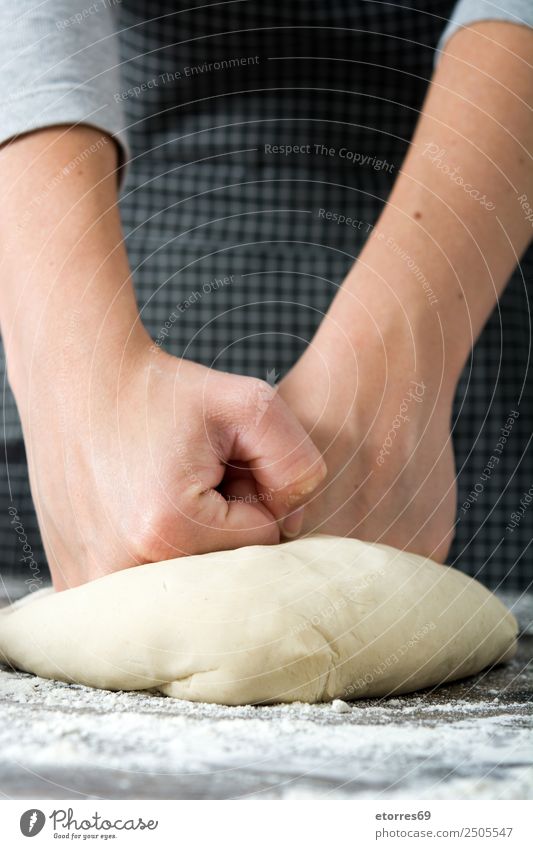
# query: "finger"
[270,439]
[241,519]
[244,489]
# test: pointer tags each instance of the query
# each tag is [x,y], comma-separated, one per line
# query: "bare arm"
[455,207]
[64,264]
[418,296]
[126,444]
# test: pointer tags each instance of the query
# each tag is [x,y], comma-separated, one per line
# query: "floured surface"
[469,739]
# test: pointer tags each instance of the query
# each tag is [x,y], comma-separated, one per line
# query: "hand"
[129,466]
[384,431]
[427,279]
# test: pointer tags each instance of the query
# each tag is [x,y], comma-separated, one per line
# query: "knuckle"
[260,394]
[258,404]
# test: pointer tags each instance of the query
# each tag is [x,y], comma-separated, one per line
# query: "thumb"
[283,460]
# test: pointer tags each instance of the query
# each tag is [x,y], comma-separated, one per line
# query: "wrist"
[72,356]
[391,332]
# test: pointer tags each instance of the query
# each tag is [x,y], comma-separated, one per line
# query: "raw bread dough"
[311,620]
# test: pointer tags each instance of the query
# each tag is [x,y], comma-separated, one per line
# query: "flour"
[398,748]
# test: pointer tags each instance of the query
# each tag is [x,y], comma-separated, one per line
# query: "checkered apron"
[235,264]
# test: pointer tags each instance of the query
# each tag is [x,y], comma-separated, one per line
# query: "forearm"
[118,477]
[443,250]
[66,293]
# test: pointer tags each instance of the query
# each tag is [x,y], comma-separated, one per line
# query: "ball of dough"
[311,620]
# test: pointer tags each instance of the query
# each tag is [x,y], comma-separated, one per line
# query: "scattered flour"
[413,747]
[340,707]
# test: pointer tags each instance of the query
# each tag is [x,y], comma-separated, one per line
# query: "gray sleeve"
[59,64]
[470,11]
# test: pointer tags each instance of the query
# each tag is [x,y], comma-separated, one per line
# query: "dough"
[312,620]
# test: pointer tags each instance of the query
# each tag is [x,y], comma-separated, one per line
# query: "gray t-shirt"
[60,60]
